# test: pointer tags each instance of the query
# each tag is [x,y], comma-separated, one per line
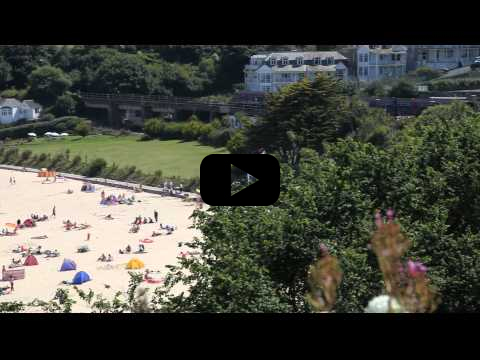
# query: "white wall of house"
[10,114]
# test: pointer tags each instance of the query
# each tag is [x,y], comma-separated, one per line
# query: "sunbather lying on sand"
[134,229]
[154,234]
[39,237]
[108,217]
[127,250]
[52,254]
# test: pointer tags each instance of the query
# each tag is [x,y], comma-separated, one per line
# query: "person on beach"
[155,215]
[11,284]
[54,211]
[88,237]
[10,180]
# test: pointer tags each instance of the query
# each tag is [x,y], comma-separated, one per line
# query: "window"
[267,88]
[300,76]
[273,61]
[299,60]
[380,70]
[365,71]
[317,61]
[381,57]
[285,61]
[424,55]
[449,53]
[331,60]
[394,57]
[37,110]
[6,111]
[372,58]
[340,73]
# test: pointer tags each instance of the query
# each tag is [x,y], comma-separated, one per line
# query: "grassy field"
[173,157]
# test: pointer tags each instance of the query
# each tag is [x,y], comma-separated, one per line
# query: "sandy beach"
[29,196]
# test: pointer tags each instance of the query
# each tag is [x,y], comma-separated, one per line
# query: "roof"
[308,55]
[11,103]
[303,68]
[32,104]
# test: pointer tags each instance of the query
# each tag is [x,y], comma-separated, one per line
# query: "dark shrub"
[95,167]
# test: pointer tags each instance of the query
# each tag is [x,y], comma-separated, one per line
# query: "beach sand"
[29,196]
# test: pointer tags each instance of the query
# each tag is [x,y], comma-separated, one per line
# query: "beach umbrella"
[10,225]
[30,261]
[135,264]
[80,278]
[68,265]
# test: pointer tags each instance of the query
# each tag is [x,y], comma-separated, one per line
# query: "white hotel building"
[269,72]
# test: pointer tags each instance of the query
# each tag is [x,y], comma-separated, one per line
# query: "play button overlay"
[240,180]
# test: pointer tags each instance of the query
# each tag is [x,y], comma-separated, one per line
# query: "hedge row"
[58,125]
[452,85]
[95,168]
[214,134]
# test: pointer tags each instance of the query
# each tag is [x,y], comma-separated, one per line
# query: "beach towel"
[13,275]
[147,241]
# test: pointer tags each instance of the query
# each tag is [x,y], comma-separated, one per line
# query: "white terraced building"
[441,56]
[375,62]
[269,72]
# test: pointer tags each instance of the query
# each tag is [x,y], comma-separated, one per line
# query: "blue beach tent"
[68,265]
[80,278]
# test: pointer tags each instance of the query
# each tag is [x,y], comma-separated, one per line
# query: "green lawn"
[173,157]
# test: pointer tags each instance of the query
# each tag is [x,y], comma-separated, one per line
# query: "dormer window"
[299,60]
[285,61]
[317,60]
[273,61]
[331,61]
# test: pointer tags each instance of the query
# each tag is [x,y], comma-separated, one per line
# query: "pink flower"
[390,215]
[323,250]
[416,268]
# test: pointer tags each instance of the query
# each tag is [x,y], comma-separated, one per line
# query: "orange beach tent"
[45,173]
[135,264]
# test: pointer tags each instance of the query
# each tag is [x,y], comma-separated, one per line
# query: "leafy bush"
[426,73]
[26,155]
[154,128]
[83,128]
[452,85]
[375,88]
[95,167]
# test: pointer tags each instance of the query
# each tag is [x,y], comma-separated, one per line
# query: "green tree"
[121,74]
[5,74]
[304,114]
[65,105]
[48,83]
[403,89]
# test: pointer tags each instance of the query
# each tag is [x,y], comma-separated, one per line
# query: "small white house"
[12,110]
